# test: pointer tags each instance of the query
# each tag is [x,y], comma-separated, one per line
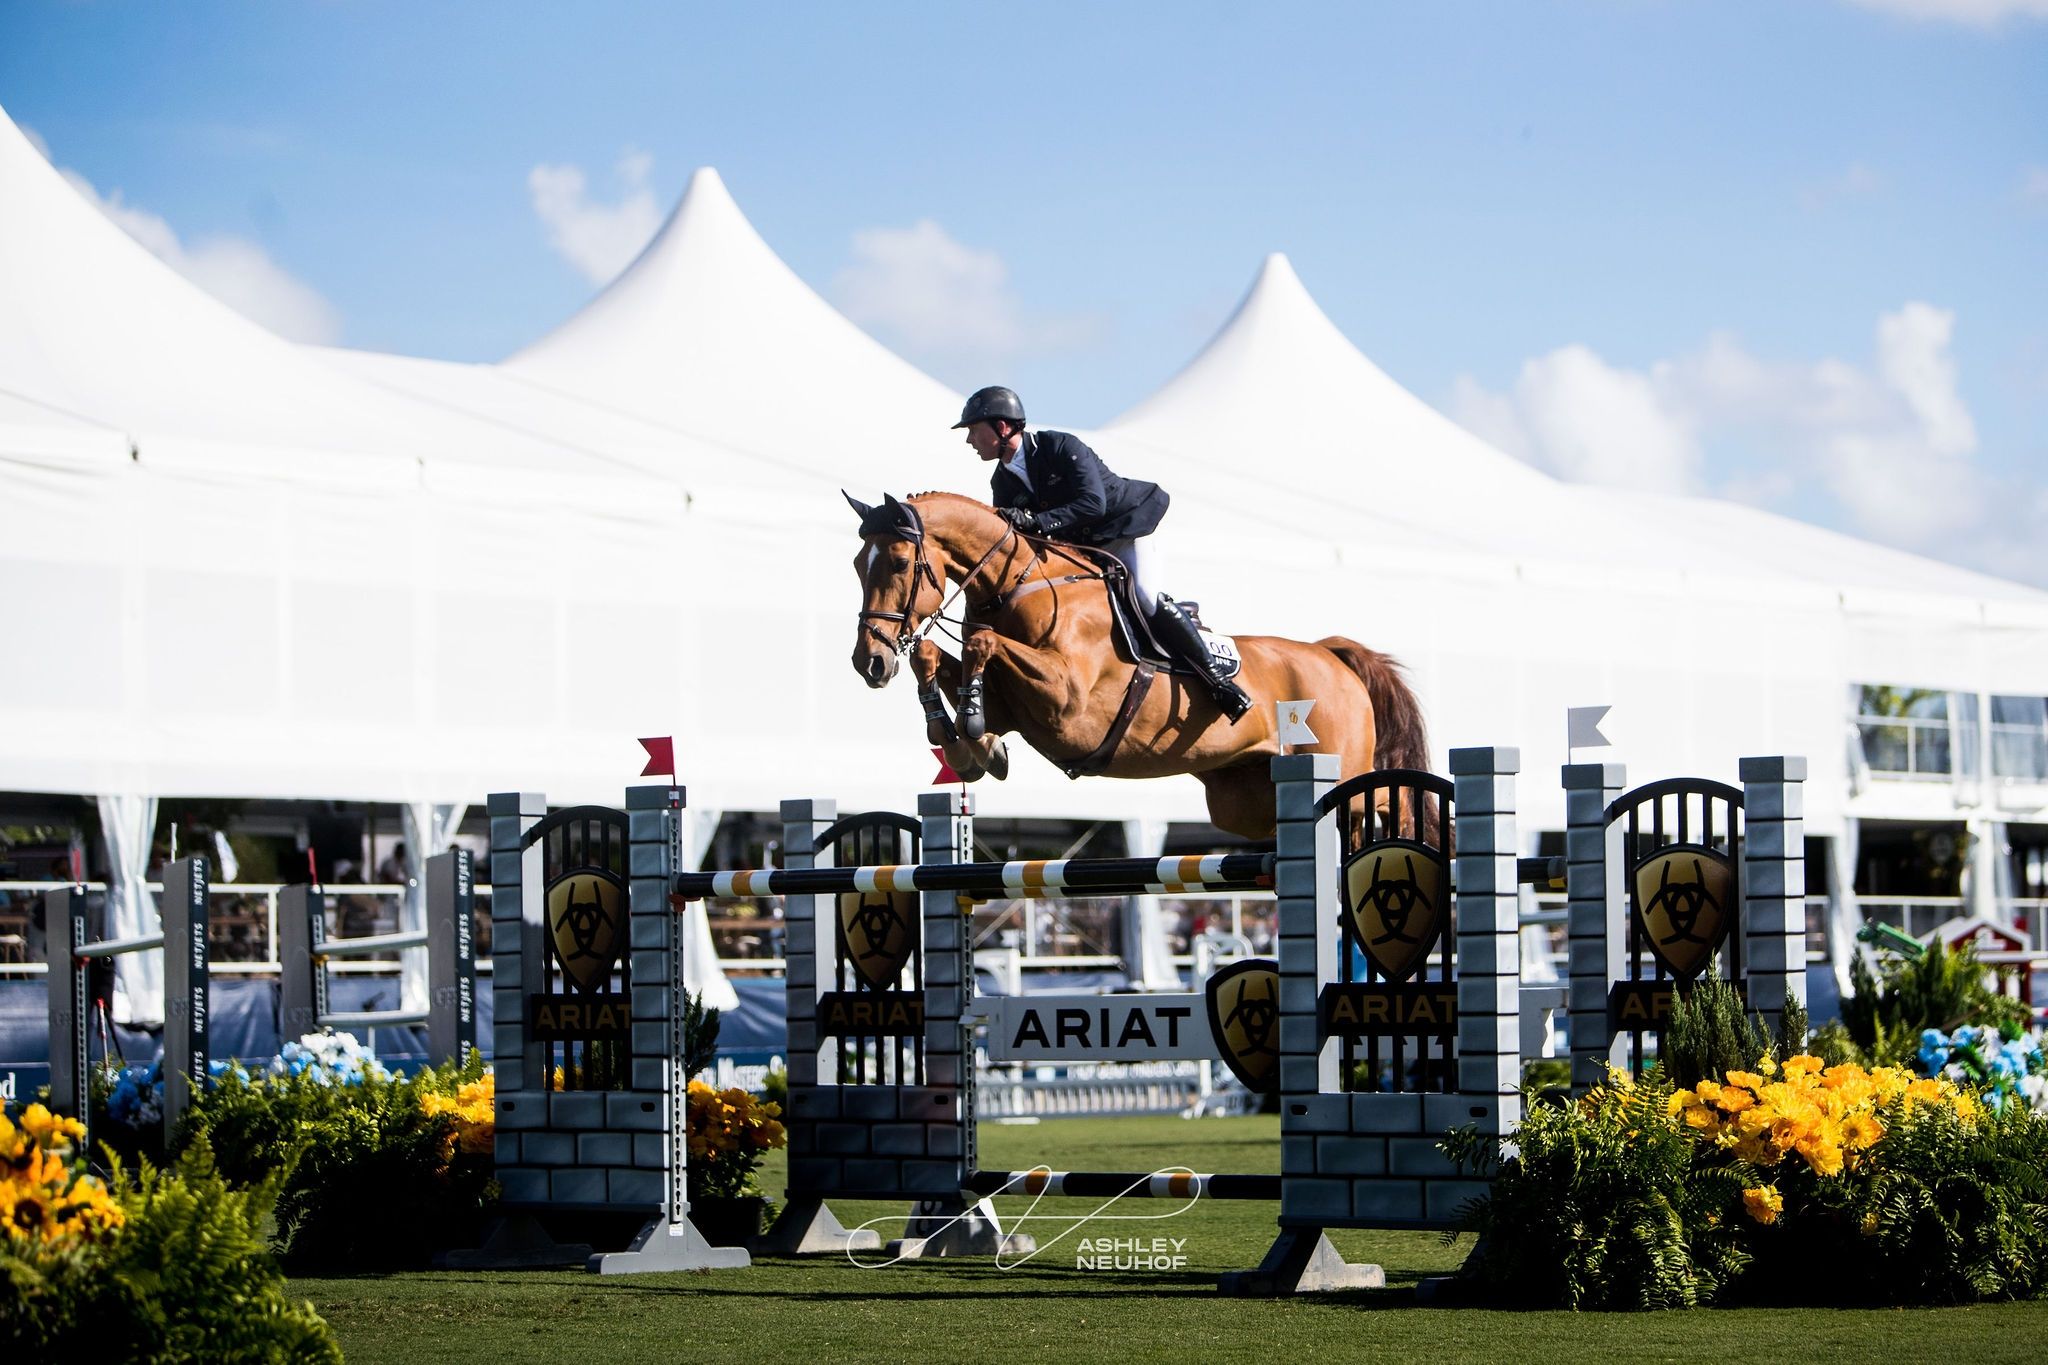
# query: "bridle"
[921,569]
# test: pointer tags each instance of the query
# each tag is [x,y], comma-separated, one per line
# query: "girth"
[1134,697]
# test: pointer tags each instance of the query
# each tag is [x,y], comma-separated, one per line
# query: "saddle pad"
[1222,653]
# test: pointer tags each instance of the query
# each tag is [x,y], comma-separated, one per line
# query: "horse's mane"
[950,496]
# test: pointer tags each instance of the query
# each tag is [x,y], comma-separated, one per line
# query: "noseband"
[906,638]
[921,569]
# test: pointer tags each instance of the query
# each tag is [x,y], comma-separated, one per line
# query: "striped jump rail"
[1059,876]
[1130,1184]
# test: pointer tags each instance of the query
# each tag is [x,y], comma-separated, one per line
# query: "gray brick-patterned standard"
[1489,960]
[1593,870]
[1774,882]
[1319,1164]
[655,1100]
[518,971]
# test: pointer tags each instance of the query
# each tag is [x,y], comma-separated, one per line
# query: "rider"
[1050,483]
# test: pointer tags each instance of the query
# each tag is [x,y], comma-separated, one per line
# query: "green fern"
[187,1278]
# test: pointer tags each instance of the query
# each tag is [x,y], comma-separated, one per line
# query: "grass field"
[827,1310]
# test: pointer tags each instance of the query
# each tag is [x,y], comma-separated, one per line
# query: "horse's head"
[899,585]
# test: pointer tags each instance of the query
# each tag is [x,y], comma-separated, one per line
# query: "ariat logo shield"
[1398,895]
[1243,1000]
[1684,896]
[880,929]
[587,920]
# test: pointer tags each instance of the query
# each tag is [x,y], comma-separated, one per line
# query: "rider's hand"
[1023,518]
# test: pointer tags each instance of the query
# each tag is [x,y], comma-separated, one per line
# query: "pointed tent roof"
[102,337]
[1280,377]
[1332,430]
[711,334]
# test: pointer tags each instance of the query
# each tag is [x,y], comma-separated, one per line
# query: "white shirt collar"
[1015,461]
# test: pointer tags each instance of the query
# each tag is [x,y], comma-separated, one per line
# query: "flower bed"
[1794,1183]
[160,1265]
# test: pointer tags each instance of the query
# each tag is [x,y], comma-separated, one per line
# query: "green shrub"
[1939,989]
[1792,1183]
[369,1179]
[1601,1208]
[775,1088]
[187,1278]
[1711,1032]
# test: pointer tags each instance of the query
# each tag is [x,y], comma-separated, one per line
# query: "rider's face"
[987,443]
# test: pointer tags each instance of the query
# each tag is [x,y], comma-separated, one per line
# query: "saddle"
[1131,625]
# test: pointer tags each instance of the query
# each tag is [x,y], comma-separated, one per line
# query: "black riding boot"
[1174,630]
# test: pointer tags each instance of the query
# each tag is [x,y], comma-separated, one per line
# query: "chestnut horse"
[1037,624]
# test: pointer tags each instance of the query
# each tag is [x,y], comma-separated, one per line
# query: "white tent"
[1714,630]
[263,570]
[711,335]
[271,570]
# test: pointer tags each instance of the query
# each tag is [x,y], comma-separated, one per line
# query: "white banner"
[1099,1028]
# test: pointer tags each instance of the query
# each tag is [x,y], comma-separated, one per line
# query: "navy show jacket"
[1076,495]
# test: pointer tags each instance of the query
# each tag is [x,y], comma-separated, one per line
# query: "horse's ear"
[889,501]
[860,509]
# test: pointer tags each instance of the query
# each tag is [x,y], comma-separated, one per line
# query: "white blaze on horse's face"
[885,568]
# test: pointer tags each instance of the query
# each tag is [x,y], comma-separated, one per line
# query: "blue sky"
[1789,252]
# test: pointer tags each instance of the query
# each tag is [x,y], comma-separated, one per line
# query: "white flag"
[1294,722]
[1582,724]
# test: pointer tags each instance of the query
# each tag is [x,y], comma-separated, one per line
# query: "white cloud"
[1977,13]
[1885,450]
[599,240]
[1584,420]
[2034,185]
[944,303]
[235,270]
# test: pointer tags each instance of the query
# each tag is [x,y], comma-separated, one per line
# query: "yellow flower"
[1767,1066]
[1733,1101]
[1747,1079]
[1763,1203]
[1861,1130]
[25,1209]
[1824,1157]
[1802,1065]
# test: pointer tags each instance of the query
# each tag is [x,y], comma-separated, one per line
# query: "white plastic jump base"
[1302,1261]
[662,1245]
[951,1227]
[808,1227]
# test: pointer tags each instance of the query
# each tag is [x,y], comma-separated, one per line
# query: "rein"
[922,568]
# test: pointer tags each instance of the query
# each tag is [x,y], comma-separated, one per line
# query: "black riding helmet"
[985,405]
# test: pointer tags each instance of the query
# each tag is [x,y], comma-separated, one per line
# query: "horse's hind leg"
[1240,800]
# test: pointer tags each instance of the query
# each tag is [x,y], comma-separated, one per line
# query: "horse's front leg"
[971,758]
[975,650]
[927,662]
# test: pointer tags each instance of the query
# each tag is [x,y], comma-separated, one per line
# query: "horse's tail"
[1400,738]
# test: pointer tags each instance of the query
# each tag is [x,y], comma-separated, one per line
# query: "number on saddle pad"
[1222,653]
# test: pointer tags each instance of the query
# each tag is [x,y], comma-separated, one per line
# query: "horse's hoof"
[999,762]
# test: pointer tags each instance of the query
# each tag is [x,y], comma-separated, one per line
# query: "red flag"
[661,757]
[946,774]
